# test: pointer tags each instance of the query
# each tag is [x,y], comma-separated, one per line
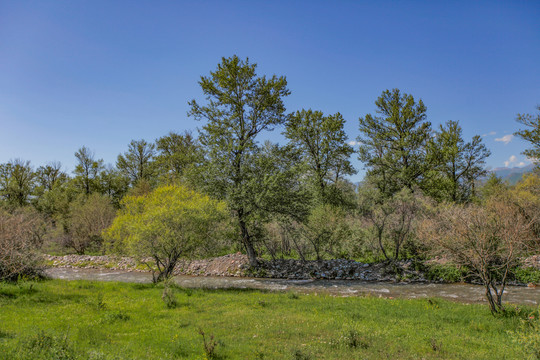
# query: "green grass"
[58,319]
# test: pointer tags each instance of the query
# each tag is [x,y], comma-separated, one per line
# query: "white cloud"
[505,139]
[522,163]
[353,143]
[511,160]
[491,133]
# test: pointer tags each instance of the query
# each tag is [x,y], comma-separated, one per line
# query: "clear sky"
[101,73]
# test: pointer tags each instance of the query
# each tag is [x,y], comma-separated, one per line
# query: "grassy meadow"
[58,319]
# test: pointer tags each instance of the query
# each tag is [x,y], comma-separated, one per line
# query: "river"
[465,293]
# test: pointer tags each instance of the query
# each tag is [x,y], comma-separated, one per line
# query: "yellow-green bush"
[170,223]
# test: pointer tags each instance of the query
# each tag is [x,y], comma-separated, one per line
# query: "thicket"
[21,235]
[283,200]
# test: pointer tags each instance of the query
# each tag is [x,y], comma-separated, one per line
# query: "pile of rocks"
[532,261]
[338,269]
[228,265]
[94,262]
[238,265]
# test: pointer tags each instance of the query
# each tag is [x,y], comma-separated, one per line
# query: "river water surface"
[466,293]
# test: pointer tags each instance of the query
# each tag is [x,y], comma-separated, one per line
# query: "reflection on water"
[458,292]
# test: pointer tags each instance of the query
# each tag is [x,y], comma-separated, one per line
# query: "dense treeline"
[291,200]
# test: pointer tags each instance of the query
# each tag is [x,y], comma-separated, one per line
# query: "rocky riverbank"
[237,265]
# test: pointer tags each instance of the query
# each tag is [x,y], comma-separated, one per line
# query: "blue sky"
[101,73]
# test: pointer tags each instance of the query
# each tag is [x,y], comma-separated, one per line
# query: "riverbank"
[237,265]
[112,320]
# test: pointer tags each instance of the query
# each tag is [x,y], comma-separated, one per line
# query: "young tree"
[531,135]
[488,240]
[325,230]
[240,105]
[391,221]
[460,164]
[137,162]
[394,143]
[17,181]
[323,144]
[170,223]
[493,187]
[87,171]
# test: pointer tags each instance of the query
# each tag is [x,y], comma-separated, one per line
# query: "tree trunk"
[248,244]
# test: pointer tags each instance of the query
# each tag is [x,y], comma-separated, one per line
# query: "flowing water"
[466,293]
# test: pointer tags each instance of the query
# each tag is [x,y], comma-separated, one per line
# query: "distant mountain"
[512,175]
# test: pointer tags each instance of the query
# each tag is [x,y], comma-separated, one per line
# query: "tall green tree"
[240,105]
[51,175]
[532,134]
[459,163]
[113,183]
[393,143]
[323,145]
[17,182]
[52,191]
[137,162]
[87,171]
[177,153]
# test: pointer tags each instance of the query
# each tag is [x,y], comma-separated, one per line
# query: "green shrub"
[170,223]
[446,273]
[527,275]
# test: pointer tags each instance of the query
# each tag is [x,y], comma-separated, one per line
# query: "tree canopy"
[531,133]
[393,143]
[323,145]
[458,164]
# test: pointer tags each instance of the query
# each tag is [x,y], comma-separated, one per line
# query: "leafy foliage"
[394,144]
[177,154]
[136,163]
[459,164]
[531,133]
[87,171]
[323,145]
[17,181]
[170,223]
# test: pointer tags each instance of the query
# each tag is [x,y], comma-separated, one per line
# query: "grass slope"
[59,319]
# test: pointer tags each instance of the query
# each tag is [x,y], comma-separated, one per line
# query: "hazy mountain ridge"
[514,174]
